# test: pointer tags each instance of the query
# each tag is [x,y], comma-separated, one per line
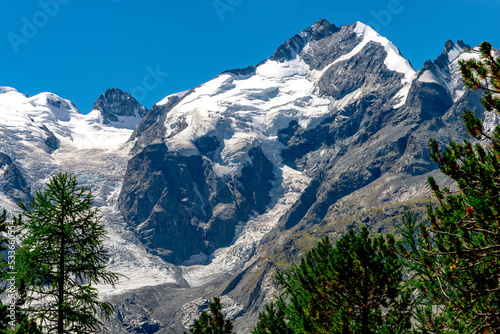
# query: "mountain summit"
[229,142]
[119,108]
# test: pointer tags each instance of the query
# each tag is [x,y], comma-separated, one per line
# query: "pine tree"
[213,322]
[354,287]
[62,257]
[273,320]
[457,256]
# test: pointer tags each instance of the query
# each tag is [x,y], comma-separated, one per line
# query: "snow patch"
[183,147]
[246,111]
[169,97]
[394,61]
[428,77]
[402,94]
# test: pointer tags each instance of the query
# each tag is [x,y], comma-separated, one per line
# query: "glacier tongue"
[102,170]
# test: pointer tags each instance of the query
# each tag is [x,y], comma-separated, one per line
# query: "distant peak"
[322,24]
[116,93]
[451,52]
[115,102]
[113,97]
[449,46]
[7,89]
[321,29]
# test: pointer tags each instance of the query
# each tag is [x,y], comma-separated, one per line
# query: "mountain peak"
[321,29]
[115,103]
[7,89]
[291,48]
[451,52]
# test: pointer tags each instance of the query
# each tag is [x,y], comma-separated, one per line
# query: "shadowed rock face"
[115,102]
[12,182]
[180,207]
[52,142]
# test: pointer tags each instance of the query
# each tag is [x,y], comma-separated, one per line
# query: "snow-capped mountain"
[206,192]
[222,146]
[118,109]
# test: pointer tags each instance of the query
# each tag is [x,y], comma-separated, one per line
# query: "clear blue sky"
[78,48]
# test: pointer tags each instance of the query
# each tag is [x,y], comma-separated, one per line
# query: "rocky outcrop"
[180,207]
[12,182]
[115,103]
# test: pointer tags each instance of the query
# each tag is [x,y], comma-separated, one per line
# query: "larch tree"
[62,257]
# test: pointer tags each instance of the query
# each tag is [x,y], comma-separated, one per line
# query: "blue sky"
[152,48]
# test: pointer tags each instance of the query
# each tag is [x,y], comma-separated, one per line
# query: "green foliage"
[213,322]
[354,287]
[273,320]
[482,74]
[456,257]
[3,268]
[62,257]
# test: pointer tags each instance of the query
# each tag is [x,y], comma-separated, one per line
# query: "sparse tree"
[273,320]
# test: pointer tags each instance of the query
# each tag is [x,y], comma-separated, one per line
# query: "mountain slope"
[231,130]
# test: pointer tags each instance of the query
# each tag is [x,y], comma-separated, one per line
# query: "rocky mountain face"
[12,183]
[119,108]
[212,189]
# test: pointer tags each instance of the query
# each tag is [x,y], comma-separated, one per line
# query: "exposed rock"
[12,181]
[115,103]
[180,207]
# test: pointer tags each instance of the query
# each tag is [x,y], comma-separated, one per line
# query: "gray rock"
[115,102]
[180,207]
[12,181]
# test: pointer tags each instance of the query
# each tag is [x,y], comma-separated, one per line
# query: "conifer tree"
[213,322]
[354,287]
[457,256]
[62,257]
[273,320]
